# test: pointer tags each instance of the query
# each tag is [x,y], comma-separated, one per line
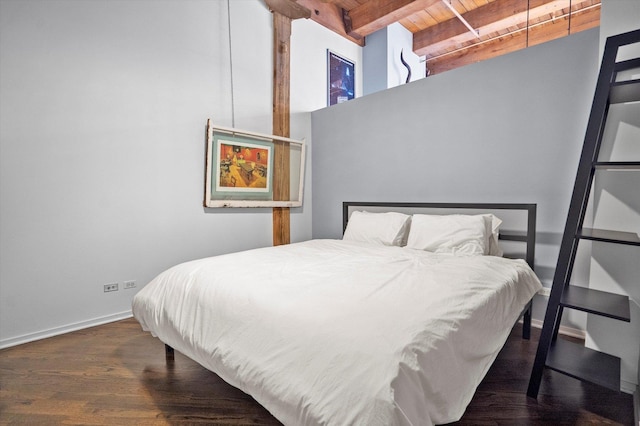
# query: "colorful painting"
[244,167]
[240,168]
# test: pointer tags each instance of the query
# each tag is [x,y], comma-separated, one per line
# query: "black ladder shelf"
[553,353]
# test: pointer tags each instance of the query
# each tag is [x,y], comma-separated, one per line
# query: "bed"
[394,324]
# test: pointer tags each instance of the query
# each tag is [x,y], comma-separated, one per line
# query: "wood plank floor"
[116,374]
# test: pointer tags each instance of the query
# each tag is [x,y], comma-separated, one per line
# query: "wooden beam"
[476,53]
[330,16]
[288,8]
[539,33]
[284,11]
[367,18]
[281,124]
[488,19]
[374,15]
[581,20]
[585,19]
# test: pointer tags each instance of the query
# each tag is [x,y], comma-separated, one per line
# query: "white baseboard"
[636,404]
[628,387]
[26,338]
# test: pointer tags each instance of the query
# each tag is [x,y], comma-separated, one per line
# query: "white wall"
[309,44]
[401,40]
[381,55]
[103,108]
[617,207]
[618,16]
[374,59]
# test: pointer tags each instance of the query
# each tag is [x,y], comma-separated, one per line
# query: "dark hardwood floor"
[117,374]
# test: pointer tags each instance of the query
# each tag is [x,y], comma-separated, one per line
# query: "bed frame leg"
[169,353]
[526,322]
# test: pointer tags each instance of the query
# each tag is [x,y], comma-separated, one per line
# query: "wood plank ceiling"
[500,26]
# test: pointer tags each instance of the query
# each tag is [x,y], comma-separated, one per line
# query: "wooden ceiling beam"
[288,8]
[581,20]
[364,19]
[330,16]
[374,15]
[539,33]
[488,19]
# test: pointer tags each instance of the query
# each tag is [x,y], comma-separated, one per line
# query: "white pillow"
[389,229]
[454,234]
[493,225]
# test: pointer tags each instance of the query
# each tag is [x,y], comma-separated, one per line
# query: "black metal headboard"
[523,221]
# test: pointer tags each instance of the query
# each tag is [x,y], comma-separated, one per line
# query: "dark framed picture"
[340,79]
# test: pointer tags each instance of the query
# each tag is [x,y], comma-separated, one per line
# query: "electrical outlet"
[110,287]
[129,284]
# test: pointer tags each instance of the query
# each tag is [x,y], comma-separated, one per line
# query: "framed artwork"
[240,169]
[243,168]
[340,79]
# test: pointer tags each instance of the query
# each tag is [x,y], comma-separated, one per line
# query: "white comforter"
[342,333]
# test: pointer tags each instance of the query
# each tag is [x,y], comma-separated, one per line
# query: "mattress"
[341,332]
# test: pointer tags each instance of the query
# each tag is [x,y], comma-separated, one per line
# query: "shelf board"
[625,91]
[616,237]
[617,165]
[597,302]
[585,364]
[627,64]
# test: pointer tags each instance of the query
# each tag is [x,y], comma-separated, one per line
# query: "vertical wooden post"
[284,11]
[281,119]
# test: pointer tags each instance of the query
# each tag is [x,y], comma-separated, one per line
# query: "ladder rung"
[625,91]
[597,302]
[616,237]
[582,363]
[627,64]
[617,165]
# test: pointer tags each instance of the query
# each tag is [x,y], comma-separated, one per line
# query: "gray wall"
[103,108]
[509,129]
[374,63]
